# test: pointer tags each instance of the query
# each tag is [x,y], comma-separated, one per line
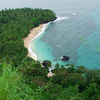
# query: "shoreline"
[34,33]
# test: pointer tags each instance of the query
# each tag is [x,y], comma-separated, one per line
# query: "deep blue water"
[77,36]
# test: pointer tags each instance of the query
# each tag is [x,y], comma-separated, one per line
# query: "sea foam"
[45,26]
[60,19]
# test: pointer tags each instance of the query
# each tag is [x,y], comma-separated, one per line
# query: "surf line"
[93,45]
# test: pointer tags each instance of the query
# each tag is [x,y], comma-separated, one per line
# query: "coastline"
[34,33]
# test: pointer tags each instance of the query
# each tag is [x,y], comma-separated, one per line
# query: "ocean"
[76,32]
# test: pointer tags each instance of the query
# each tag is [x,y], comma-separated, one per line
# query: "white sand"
[34,33]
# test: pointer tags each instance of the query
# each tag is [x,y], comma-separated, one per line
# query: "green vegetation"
[13,87]
[22,78]
[15,24]
[29,81]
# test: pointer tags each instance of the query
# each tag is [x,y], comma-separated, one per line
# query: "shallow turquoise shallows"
[43,51]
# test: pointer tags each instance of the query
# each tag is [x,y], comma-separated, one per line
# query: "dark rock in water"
[65,58]
[45,63]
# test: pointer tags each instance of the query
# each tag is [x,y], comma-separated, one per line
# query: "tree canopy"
[15,24]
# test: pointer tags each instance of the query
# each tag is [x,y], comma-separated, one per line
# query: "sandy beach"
[34,33]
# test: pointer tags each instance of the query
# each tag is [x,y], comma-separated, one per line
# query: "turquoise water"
[76,36]
[43,50]
[89,52]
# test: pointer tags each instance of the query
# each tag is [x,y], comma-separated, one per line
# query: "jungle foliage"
[15,24]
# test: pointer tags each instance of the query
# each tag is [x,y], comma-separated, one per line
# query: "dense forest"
[22,78]
[15,24]
[29,81]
